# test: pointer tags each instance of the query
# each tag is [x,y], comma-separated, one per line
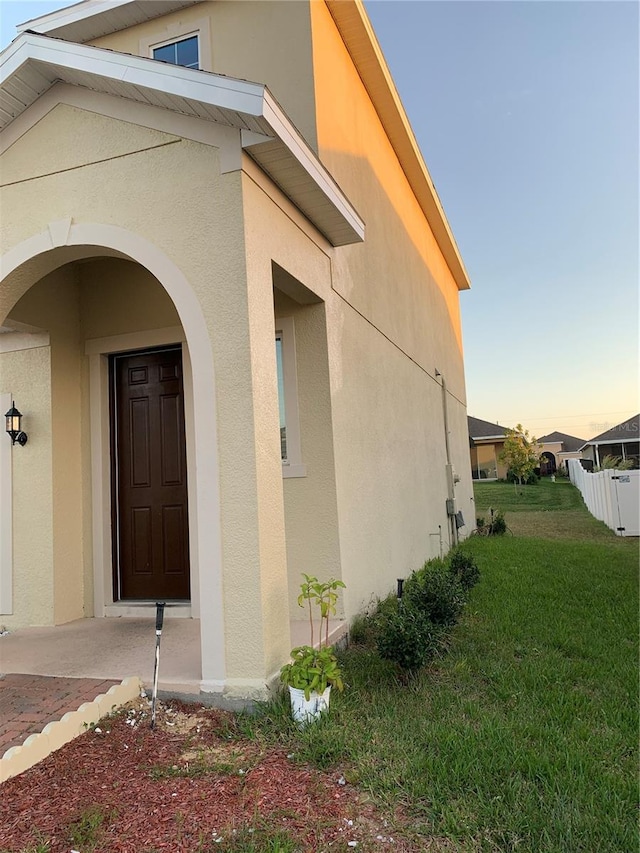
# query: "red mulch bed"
[192,784]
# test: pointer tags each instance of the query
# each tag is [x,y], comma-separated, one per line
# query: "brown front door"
[149,476]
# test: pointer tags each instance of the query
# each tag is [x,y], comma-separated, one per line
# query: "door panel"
[151,542]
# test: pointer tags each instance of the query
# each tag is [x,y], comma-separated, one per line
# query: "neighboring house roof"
[628,430]
[483,430]
[90,19]
[33,64]
[570,443]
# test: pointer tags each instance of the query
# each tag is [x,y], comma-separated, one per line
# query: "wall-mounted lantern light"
[13,426]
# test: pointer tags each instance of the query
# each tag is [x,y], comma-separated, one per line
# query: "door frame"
[98,350]
[116,485]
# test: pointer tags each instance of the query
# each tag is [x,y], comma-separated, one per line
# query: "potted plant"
[313,671]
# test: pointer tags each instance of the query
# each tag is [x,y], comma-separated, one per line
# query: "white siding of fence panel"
[627,489]
[610,496]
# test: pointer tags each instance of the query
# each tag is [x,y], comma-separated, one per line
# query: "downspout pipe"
[451,495]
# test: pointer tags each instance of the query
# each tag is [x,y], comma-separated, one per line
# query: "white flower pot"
[304,711]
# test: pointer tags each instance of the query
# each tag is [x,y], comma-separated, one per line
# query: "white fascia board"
[224,92]
[611,441]
[81,18]
[70,15]
[285,130]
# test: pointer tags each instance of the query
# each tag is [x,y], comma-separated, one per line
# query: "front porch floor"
[109,648]
[116,648]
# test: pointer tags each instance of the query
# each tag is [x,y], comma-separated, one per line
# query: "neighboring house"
[557,447]
[223,304]
[622,440]
[486,442]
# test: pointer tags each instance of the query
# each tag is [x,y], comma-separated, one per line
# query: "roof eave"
[91,19]
[363,47]
[249,107]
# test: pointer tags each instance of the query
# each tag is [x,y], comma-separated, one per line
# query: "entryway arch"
[64,241]
[547,463]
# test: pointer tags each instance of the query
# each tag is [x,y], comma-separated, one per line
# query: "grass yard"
[547,510]
[524,736]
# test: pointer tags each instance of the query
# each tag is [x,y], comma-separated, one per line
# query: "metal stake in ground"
[159,621]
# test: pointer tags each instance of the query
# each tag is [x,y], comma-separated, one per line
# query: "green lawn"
[547,510]
[524,736]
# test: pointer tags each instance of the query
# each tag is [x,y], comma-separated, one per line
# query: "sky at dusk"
[527,114]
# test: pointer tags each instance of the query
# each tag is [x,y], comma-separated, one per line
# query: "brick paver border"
[39,714]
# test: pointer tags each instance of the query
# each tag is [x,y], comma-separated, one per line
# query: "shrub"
[496,526]
[410,632]
[435,592]
[464,568]
[360,629]
[365,626]
[408,638]
[617,462]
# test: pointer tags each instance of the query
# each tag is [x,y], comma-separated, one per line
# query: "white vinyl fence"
[611,496]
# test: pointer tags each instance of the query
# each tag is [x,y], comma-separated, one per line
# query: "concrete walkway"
[111,648]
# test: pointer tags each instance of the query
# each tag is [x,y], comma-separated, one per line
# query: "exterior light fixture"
[13,422]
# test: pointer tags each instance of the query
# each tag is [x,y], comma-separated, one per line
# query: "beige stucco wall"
[96,298]
[203,210]
[311,512]
[312,534]
[393,319]
[561,455]
[53,305]
[264,41]
[386,316]
[27,375]
[118,297]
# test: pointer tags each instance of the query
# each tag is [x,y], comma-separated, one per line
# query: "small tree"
[521,453]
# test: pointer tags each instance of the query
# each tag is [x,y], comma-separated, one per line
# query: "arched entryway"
[547,464]
[73,283]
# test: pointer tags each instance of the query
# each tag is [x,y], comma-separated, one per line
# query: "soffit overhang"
[33,63]
[92,19]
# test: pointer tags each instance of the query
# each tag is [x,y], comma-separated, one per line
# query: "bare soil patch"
[192,784]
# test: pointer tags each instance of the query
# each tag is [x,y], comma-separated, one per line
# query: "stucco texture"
[27,376]
[310,508]
[202,209]
[264,42]
[377,330]
[393,320]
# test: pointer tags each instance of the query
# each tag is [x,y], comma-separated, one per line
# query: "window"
[186,43]
[283,414]
[182,52]
[288,399]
